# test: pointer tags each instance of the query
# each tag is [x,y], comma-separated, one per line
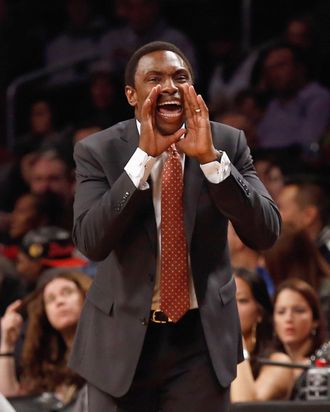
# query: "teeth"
[168,115]
[167,103]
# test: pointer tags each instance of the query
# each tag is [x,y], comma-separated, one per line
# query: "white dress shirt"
[139,168]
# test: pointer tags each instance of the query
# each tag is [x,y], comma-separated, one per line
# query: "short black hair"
[150,48]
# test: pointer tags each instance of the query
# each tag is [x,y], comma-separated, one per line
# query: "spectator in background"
[52,172]
[299,328]
[103,106]
[53,314]
[300,32]
[31,211]
[294,255]
[270,172]
[304,203]
[236,72]
[42,127]
[256,381]
[142,23]
[45,248]
[79,38]
[240,121]
[299,111]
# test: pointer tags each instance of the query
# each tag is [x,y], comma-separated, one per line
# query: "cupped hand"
[151,140]
[198,139]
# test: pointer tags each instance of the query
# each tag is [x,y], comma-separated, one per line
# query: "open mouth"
[169,109]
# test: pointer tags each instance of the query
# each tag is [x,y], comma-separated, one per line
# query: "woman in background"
[52,320]
[298,326]
[256,381]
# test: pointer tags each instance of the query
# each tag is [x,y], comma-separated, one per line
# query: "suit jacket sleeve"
[242,197]
[106,201]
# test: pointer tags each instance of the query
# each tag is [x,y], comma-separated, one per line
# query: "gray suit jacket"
[114,224]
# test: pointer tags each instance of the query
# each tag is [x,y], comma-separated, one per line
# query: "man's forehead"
[160,58]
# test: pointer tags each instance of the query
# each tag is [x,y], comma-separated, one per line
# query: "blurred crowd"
[277,92]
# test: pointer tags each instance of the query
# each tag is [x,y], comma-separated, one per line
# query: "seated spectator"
[31,211]
[103,105]
[270,172]
[53,314]
[256,381]
[304,203]
[235,72]
[41,128]
[299,328]
[52,172]
[294,255]
[252,103]
[44,248]
[240,121]
[299,112]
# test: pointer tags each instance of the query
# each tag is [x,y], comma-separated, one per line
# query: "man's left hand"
[198,138]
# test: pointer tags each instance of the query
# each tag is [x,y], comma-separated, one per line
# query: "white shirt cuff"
[139,167]
[216,172]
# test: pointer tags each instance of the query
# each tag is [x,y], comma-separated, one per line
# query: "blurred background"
[37,36]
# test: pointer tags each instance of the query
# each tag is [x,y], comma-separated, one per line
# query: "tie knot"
[172,150]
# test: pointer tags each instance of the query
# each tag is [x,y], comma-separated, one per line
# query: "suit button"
[144,322]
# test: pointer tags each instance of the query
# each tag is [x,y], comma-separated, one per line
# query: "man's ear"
[130,95]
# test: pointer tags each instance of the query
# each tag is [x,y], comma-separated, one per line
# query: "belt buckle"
[153,317]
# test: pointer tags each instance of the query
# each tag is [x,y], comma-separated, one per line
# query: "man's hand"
[198,139]
[151,141]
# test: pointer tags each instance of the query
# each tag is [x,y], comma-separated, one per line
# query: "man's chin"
[167,129]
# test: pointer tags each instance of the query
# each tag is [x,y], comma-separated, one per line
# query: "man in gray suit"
[132,354]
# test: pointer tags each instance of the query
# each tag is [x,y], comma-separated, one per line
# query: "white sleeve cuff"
[139,167]
[216,172]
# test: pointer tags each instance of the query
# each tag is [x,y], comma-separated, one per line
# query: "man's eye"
[154,79]
[182,78]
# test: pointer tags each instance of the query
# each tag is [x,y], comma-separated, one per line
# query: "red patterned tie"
[174,290]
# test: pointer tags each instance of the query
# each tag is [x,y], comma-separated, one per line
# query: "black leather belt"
[157,316]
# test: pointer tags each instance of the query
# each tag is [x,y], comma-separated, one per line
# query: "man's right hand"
[151,140]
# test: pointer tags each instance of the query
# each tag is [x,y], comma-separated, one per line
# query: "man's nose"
[169,86]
